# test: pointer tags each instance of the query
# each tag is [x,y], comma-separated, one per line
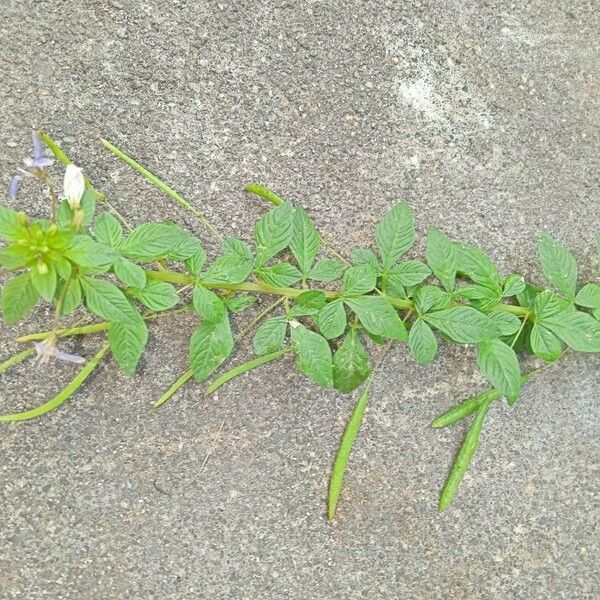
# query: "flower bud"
[42,267]
[73,186]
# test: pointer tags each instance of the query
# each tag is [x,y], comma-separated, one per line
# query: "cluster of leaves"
[331,311]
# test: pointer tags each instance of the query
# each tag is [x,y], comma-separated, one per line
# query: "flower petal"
[74,185]
[13,188]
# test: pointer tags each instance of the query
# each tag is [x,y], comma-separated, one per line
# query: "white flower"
[73,186]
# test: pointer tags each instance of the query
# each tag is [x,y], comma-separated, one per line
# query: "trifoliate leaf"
[589,296]
[332,319]
[350,363]
[395,234]
[127,342]
[108,230]
[499,363]
[210,345]
[207,304]
[431,297]
[12,225]
[359,280]
[150,241]
[239,303]
[85,252]
[280,275]
[326,269]
[273,232]
[476,265]
[129,273]
[313,354]
[558,265]
[462,324]
[44,281]
[422,342]
[410,272]
[107,301]
[157,295]
[270,336]
[364,256]
[442,257]
[544,343]
[229,268]
[308,304]
[378,316]
[305,240]
[578,330]
[72,296]
[513,285]
[19,296]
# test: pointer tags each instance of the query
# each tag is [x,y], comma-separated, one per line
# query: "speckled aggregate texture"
[485,117]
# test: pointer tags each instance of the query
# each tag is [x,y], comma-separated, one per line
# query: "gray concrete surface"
[485,117]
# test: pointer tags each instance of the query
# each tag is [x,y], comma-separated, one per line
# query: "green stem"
[243,368]
[176,386]
[63,395]
[161,185]
[17,358]
[92,328]
[520,311]
[263,192]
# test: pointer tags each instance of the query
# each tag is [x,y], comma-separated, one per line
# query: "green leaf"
[108,230]
[378,316]
[463,459]
[229,268]
[558,265]
[19,296]
[207,304]
[442,257]
[273,232]
[239,303]
[350,363]
[391,284]
[326,269]
[527,296]
[313,354]
[468,407]
[504,323]
[410,272]
[187,246]
[422,342]
[16,256]
[195,263]
[64,215]
[364,256]
[210,346]
[499,363]
[280,275]
[308,303]
[478,292]
[44,282]
[151,241]
[130,273]
[332,319]
[395,234]
[589,296]
[238,247]
[12,225]
[127,342]
[61,264]
[88,206]
[359,280]
[544,343]
[343,453]
[431,297]
[513,285]
[462,324]
[157,295]
[305,240]
[85,252]
[578,330]
[269,336]
[547,303]
[476,265]
[107,301]
[73,296]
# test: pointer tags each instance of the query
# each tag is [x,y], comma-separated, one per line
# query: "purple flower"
[47,350]
[34,167]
